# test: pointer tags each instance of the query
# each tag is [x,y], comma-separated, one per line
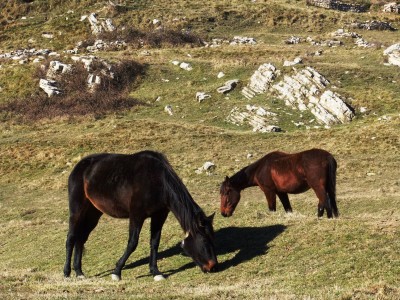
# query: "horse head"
[230,197]
[199,244]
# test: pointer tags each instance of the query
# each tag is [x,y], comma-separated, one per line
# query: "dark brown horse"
[279,173]
[137,186]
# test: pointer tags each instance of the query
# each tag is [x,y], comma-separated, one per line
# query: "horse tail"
[331,184]
[75,179]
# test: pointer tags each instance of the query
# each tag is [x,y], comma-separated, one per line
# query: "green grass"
[262,255]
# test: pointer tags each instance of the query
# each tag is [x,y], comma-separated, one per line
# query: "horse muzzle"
[226,214]
[211,266]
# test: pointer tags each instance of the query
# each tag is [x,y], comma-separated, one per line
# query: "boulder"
[228,86]
[168,109]
[185,66]
[93,82]
[56,68]
[50,87]
[201,96]
[207,167]
[100,26]
[296,61]
[393,54]
[392,7]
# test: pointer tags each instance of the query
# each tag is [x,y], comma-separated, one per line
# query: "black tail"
[76,197]
[331,185]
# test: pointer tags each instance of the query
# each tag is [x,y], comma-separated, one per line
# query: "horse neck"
[186,211]
[243,179]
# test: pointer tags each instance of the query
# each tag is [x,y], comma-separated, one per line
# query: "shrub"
[111,95]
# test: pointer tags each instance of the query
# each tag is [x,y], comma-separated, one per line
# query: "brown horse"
[137,186]
[279,173]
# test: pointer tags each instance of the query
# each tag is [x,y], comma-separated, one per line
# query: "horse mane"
[244,178]
[239,180]
[180,202]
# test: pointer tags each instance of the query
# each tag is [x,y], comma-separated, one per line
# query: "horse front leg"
[271,199]
[285,202]
[157,222]
[134,231]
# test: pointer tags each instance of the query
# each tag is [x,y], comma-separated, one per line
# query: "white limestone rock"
[228,86]
[201,96]
[50,87]
[260,81]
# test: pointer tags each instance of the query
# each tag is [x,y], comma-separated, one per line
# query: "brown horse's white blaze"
[280,174]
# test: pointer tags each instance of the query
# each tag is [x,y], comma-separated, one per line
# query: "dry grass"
[262,255]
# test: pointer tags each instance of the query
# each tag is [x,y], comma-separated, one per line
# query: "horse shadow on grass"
[248,242]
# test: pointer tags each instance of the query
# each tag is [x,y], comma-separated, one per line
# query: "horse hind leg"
[323,203]
[285,202]
[89,222]
[69,249]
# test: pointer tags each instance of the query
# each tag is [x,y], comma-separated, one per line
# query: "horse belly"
[115,203]
[290,183]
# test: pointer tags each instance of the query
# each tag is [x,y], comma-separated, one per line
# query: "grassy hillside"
[262,255]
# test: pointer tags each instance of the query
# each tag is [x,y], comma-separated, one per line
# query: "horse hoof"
[80,276]
[115,277]
[159,278]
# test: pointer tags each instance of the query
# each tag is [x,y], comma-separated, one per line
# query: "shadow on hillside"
[250,242]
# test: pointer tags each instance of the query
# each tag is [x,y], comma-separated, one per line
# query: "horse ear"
[211,217]
[226,178]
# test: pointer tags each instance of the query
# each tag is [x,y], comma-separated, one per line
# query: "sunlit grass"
[262,255]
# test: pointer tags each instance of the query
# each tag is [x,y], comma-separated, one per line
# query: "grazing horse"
[279,173]
[137,186]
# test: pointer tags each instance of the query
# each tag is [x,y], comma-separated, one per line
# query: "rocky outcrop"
[257,117]
[305,89]
[97,69]
[339,5]
[373,25]
[358,39]
[100,26]
[236,40]
[261,80]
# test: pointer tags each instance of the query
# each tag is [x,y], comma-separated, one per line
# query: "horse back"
[297,172]
[117,184]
